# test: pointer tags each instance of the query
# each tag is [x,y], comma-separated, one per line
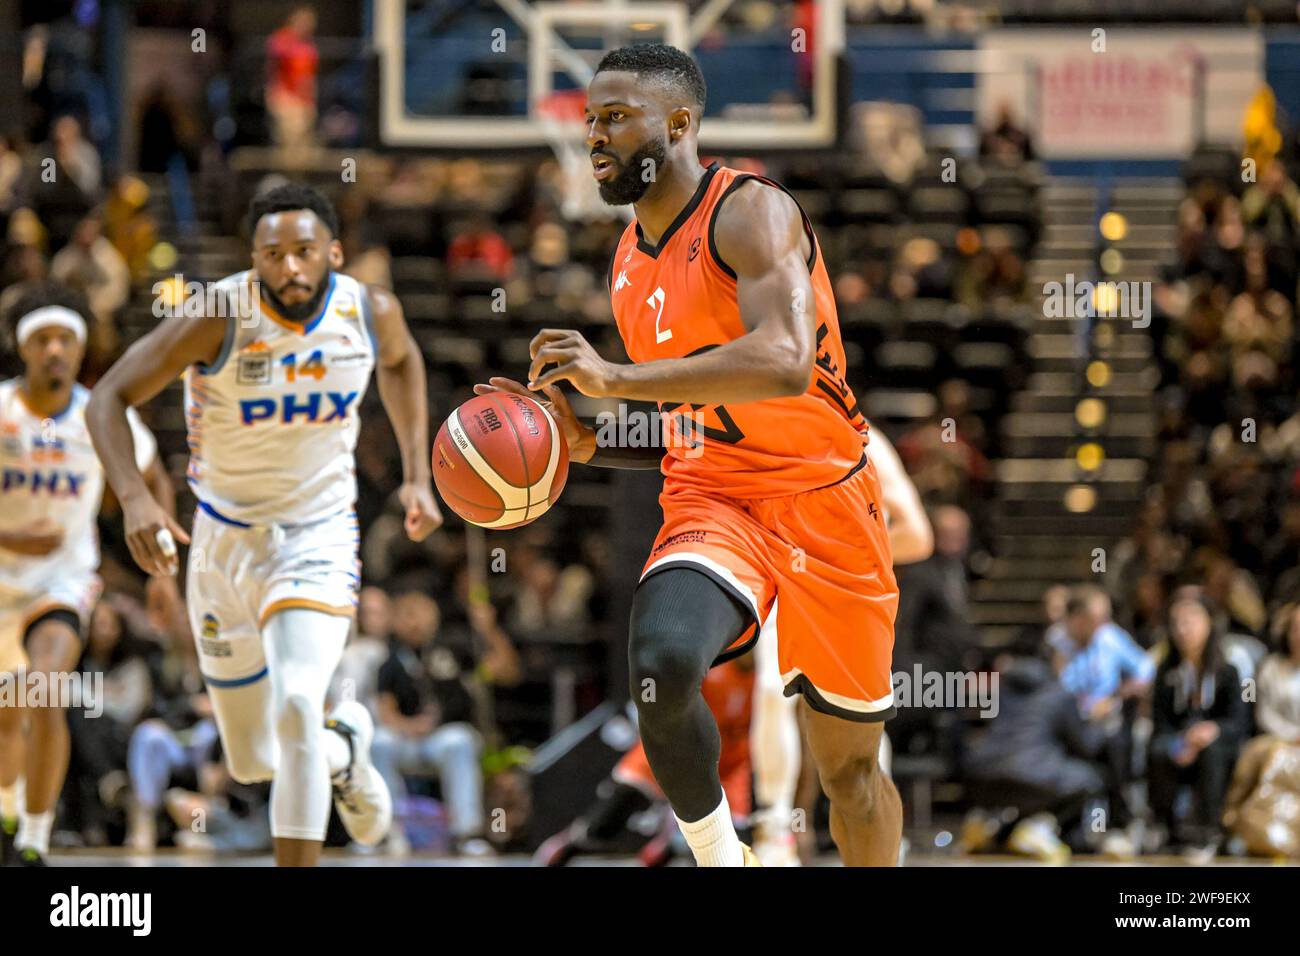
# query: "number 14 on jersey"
[313,368]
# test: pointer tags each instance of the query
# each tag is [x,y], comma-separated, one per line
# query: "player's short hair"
[659,63]
[289,198]
[40,293]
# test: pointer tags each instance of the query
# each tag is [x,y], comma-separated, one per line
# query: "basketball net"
[560,115]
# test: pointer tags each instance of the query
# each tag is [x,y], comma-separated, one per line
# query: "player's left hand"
[423,517]
[574,359]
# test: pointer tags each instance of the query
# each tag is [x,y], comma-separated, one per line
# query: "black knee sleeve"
[681,621]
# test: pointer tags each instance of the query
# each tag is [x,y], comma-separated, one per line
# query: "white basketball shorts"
[239,575]
[19,610]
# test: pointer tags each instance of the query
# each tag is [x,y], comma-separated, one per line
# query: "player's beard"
[635,176]
[303,310]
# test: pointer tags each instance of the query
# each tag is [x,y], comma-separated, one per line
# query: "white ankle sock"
[34,831]
[713,838]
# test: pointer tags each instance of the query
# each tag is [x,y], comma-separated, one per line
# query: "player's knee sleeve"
[665,674]
[681,620]
[298,719]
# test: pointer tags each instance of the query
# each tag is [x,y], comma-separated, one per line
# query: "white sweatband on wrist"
[51,316]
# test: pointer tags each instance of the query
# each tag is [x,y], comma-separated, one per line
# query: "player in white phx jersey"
[775,744]
[51,483]
[272,397]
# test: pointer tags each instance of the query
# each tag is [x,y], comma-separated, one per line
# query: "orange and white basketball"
[500,460]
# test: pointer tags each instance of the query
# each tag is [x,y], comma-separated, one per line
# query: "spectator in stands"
[943,455]
[921,271]
[1278,709]
[1234,591]
[1200,721]
[1054,600]
[551,601]
[62,194]
[11,173]
[365,256]
[24,264]
[1262,808]
[357,677]
[1036,758]
[292,65]
[995,272]
[426,707]
[166,129]
[93,266]
[1242,650]
[75,156]
[933,629]
[129,226]
[1097,659]
[1272,206]
[1279,565]
[478,252]
[1101,665]
[234,815]
[937,614]
[1005,143]
[179,742]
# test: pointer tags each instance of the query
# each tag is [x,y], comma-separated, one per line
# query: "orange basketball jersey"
[679,299]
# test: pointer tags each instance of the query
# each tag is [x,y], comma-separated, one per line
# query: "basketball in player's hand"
[500,460]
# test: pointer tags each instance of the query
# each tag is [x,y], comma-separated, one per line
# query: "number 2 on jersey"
[656,301]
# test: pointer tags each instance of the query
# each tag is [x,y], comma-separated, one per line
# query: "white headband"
[51,315]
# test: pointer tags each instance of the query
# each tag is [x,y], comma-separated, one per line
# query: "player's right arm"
[149,366]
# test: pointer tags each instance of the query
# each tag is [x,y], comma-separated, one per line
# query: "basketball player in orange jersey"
[770,502]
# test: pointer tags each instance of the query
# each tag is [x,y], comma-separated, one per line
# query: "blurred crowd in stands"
[1161,709]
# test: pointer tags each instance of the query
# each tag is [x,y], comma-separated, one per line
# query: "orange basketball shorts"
[814,569]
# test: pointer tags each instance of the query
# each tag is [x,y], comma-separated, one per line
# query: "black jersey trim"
[686,213]
[736,184]
[802,685]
